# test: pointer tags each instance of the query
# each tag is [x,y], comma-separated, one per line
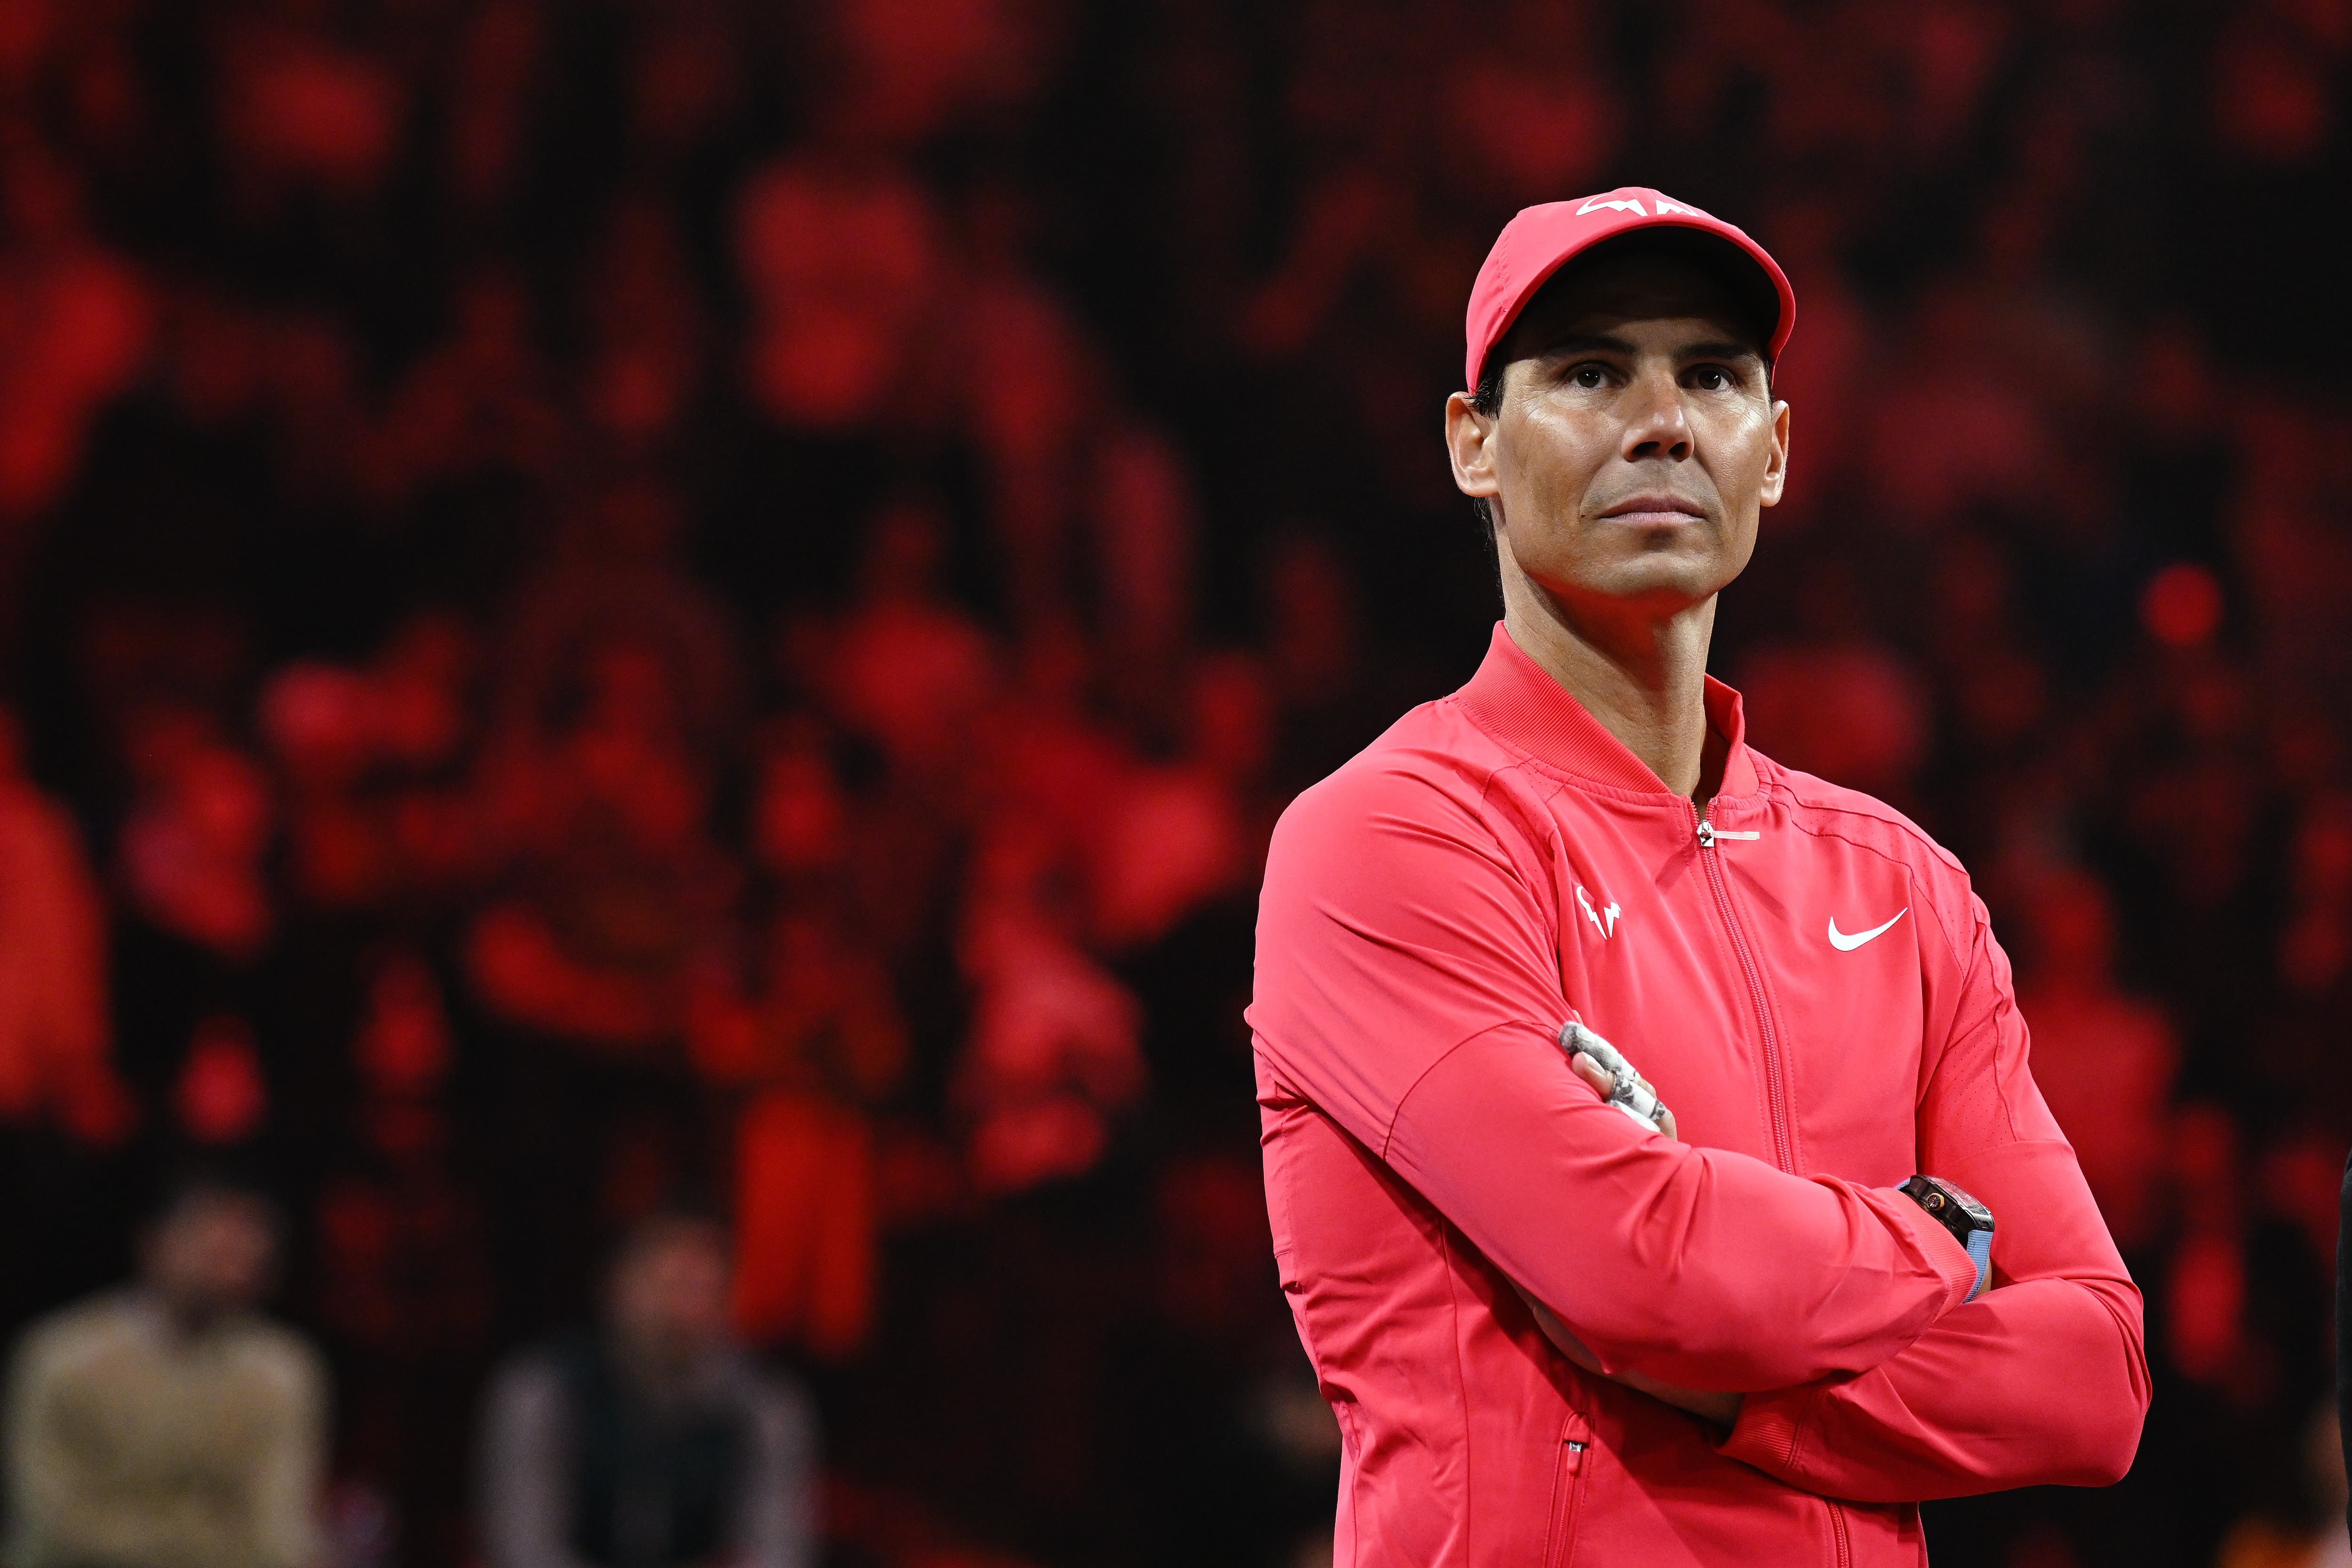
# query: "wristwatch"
[1969,1222]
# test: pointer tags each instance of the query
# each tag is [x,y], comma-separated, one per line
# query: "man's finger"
[1593,1072]
[1614,1079]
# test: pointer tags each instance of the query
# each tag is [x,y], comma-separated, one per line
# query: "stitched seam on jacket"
[1783,779]
[1553,849]
[2001,1092]
[1797,1426]
[1529,760]
[1910,871]
[1461,1378]
[1354,1437]
[1388,1133]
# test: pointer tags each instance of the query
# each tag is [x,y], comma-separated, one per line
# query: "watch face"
[1948,1203]
[1977,1212]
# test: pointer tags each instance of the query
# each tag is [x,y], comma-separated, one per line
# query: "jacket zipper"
[1559,1545]
[1775,1092]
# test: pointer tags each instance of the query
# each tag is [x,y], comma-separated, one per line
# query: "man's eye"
[1712,378]
[1591,378]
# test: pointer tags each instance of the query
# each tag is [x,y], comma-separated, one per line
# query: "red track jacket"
[1815,991]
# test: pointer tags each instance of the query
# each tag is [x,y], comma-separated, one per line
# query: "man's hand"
[1612,1077]
[1599,1064]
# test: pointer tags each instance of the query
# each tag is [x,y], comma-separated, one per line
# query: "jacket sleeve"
[1407,985]
[1971,1406]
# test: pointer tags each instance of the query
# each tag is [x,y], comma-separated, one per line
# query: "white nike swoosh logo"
[1846,944]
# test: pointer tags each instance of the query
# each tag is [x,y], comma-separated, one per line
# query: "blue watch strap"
[1980,1254]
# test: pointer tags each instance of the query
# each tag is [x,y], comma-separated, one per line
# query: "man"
[655,1443]
[1551,1332]
[169,1425]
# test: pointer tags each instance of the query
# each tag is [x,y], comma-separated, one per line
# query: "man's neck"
[1642,675]
[182,1319]
[660,1373]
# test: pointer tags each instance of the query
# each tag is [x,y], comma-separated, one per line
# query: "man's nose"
[1655,425]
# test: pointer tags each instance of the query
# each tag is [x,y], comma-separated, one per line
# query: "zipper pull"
[1708,832]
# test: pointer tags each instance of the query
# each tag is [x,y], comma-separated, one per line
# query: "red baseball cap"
[1540,240]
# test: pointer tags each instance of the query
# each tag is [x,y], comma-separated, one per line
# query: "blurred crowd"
[618,610]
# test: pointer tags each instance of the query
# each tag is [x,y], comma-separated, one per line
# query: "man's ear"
[1776,471]
[1469,444]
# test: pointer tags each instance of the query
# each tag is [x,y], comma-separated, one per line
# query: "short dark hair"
[1713,255]
[195,1187]
[683,1215]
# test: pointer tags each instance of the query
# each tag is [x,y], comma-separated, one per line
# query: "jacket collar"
[1517,699]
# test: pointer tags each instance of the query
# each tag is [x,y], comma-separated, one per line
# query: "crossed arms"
[1810,1434]
[1833,1309]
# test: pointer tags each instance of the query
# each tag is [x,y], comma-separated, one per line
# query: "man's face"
[214,1253]
[668,1295]
[1636,442]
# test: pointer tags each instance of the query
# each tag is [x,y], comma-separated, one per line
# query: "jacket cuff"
[1944,1251]
[1765,1436]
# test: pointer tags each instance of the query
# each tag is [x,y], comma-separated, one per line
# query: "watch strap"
[1979,1245]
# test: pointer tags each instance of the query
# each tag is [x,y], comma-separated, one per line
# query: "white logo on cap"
[1633,204]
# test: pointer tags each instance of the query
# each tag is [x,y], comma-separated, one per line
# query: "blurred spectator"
[651,335]
[2102,1059]
[1173,837]
[811,1046]
[2243,1341]
[1219,1403]
[478,404]
[368,758]
[585,956]
[1032,385]
[2316,948]
[1053,1052]
[621,888]
[220,1099]
[168,1425]
[54,1041]
[192,847]
[1143,528]
[1332,693]
[75,321]
[653,1442]
[302,109]
[405,1297]
[908,668]
[1839,702]
[842,267]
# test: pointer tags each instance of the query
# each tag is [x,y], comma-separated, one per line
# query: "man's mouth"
[1656,509]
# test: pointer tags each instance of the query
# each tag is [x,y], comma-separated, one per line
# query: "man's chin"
[1661,580]
[1663,585]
